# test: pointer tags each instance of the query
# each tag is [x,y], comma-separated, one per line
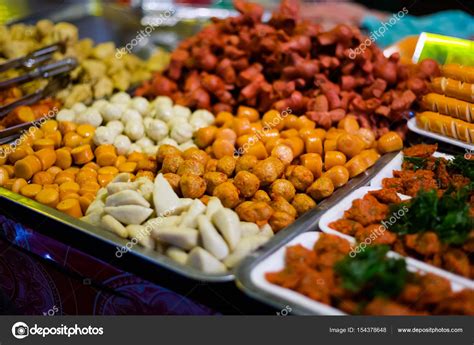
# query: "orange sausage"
[20,153]
[4,176]
[63,158]
[296,144]
[85,130]
[27,167]
[72,139]
[54,170]
[249,113]
[104,179]
[47,158]
[55,136]
[85,200]
[313,162]
[18,184]
[48,197]
[71,207]
[63,177]
[82,154]
[42,178]
[313,144]
[273,119]
[44,143]
[66,127]
[333,158]
[31,190]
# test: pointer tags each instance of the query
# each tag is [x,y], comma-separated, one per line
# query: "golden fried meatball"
[283,188]
[280,220]
[289,170]
[228,194]
[268,170]
[173,180]
[302,203]
[279,203]
[301,177]
[226,165]
[171,163]
[165,150]
[246,163]
[211,165]
[321,188]
[254,211]
[247,183]
[213,179]
[192,186]
[196,154]
[190,166]
[261,195]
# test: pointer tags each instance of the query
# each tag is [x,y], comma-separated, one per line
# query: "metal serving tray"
[306,223]
[96,235]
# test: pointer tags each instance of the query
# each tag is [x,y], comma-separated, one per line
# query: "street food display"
[370,283]
[246,130]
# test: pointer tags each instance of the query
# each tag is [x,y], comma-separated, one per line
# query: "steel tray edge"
[303,224]
[105,236]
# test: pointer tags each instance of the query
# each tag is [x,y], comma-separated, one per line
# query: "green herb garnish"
[417,162]
[371,273]
[447,216]
[462,166]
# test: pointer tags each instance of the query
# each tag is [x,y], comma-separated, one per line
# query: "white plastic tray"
[276,262]
[337,212]
[396,164]
[414,128]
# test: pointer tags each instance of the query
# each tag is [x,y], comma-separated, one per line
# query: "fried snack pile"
[370,283]
[290,63]
[100,72]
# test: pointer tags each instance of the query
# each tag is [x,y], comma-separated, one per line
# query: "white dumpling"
[147,121]
[112,111]
[131,115]
[66,115]
[99,104]
[163,111]
[129,214]
[144,142]
[168,141]
[202,260]
[90,116]
[120,97]
[134,130]
[163,100]
[122,143]
[187,145]
[134,148]
[78,108]
[176,121]
[201,118]
[227,223]
[157,130]
[103,135]
[181,111]
[140,104]
[182,133]
[116,127]
[151,150]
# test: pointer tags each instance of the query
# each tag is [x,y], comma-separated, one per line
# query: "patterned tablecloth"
[41,276]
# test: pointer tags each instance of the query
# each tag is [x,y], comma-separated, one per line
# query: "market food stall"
[263,161]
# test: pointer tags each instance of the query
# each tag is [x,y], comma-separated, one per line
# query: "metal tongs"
[34,58]
[36,66]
